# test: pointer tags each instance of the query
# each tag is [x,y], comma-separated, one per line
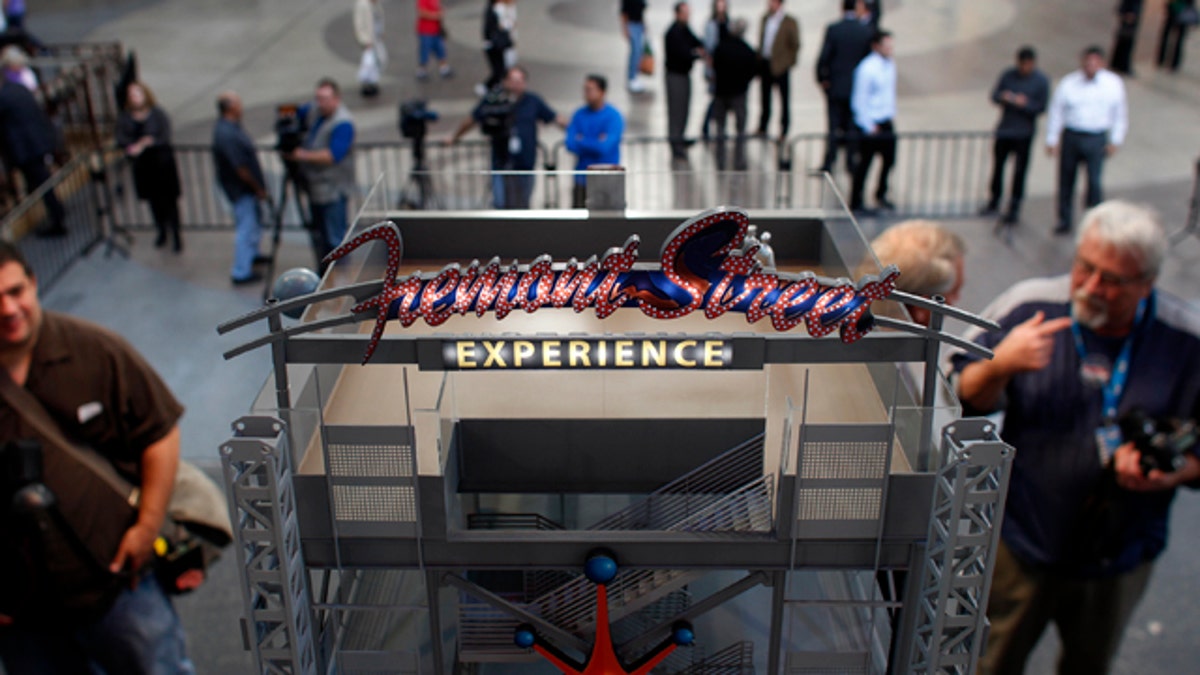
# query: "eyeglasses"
[1086,269]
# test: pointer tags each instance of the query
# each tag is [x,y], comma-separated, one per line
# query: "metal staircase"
[736,659]
[728,495]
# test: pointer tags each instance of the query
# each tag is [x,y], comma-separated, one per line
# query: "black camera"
[1162,443]
[496,112]
[415,116]
[21,478]
[290,128]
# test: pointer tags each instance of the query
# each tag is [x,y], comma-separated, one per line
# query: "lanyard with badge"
[1097,372]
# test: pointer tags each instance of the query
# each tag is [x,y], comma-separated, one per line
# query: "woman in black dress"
[144,133]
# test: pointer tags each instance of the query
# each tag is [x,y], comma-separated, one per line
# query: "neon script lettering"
[706,264]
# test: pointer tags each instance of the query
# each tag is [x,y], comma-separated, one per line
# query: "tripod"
[418,193]
[293,178]
[115,237]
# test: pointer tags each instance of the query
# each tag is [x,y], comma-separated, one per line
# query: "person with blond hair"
[144,133]
[930,260]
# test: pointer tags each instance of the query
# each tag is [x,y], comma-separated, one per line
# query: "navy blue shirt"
[518,149]
[232,148]
[1051,418]
[1017,121]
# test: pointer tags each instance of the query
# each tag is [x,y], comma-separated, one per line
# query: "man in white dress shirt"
[873,103]
[1087,123]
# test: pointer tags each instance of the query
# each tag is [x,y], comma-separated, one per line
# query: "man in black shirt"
[734,66]
[1022,93]
[682,50]
[846,43]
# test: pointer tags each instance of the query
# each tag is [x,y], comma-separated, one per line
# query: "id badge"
[1108,439]
[514,145]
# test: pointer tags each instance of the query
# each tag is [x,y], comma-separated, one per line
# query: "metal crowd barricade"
[84,197]
[936,175]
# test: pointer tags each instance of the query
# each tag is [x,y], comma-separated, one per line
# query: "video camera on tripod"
[290,128]
[415,116]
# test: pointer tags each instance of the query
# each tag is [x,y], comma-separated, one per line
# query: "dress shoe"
[161,240]
[1010,218]
[261,259]
[253,278]
[1062,229]
[989,209]
[885,204]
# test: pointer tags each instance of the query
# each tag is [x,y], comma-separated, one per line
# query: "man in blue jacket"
[594,134]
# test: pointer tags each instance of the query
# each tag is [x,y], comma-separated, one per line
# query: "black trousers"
[766,83]
[36,173]
[1174,34]
[1122,54]
[882,143]
[495,59]
[1018,147]
[842,131]
[1079,148]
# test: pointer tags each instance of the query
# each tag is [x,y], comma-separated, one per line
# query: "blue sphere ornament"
[294,283]
[683,634]
[600,568]
[524,637]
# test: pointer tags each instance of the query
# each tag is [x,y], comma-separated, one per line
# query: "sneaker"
[446,72]
[422,74]
[254,277]
[636,86]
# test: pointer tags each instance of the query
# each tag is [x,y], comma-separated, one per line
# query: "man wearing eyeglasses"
[1085,519]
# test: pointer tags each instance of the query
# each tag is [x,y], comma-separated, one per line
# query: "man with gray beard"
[1086,516]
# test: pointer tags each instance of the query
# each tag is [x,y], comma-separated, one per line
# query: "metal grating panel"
[375,503]
[839,503]
[845,460]
[359,459]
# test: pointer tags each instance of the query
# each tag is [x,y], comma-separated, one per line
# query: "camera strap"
[92,497]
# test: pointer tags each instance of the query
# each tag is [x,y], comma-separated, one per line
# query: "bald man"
[241,179]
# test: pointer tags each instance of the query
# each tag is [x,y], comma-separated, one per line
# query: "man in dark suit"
[846,43]
[733,69]
[27,144]
[778,49]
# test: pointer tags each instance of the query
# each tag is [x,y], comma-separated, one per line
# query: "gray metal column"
[964,528]
[278,621]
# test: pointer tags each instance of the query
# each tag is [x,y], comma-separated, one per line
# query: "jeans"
[431,44]
[247,233]
[329,221]
[637,41]
[140,634]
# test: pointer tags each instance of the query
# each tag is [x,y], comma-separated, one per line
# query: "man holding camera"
[70,381]
[327,159]
[1087,509]
[510,116]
